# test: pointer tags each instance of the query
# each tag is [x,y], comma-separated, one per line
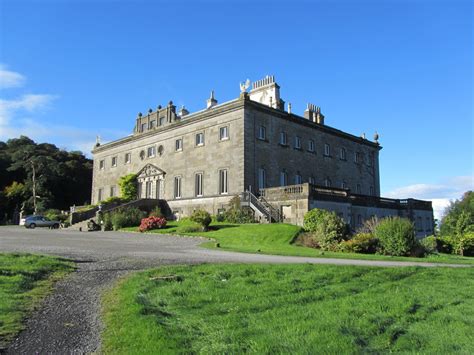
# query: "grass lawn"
[291,309]
[278,239]
[24,280]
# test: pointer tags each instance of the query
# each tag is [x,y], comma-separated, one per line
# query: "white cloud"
[10,79]
[441,194]
[26,103]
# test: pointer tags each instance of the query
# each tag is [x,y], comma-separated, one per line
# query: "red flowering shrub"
[152,222]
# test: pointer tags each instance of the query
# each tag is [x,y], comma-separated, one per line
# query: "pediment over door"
[150,170]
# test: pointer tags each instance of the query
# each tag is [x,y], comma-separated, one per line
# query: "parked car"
[40,221]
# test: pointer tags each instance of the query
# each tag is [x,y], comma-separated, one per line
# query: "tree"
[62,178]
[453,213]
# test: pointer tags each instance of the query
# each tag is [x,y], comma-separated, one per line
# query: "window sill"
[283,145]
[262,139]
[224,139]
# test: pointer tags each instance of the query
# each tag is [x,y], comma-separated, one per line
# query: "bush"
[201,217]
[219,217]
[465,245]
[430,244]
[445,244]
[126,217]
[235,213]
[106,220]
[55,215]
[128,187]
[327,228]
[369,225]
[418,250]
[151,222]
[364,243]
[396,236]
[156,212]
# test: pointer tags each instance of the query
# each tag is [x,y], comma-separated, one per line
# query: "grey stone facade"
[203,159]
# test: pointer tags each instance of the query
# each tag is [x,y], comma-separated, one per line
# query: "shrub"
[156,212]
[219,217]
[326,228]
[128,187]
[235,213]
[55,215]
[418,250]
[396,236]
[465,245]
[151,222]
[126,217]
[201,217]
[106,220]
[364,243]
[369,225]
[430,244]
[445,244]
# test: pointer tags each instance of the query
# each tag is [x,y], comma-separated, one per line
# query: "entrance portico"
[151,182]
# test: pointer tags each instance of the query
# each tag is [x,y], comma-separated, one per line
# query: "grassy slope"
[277,239]
[24,280]
[291,309]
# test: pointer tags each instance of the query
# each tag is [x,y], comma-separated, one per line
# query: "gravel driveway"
[69,319]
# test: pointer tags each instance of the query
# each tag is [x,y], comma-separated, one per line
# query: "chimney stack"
[183,112]
[313,113]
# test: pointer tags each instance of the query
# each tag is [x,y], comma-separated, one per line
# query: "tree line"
[62,178]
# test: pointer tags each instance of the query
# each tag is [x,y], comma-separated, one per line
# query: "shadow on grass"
[221,226]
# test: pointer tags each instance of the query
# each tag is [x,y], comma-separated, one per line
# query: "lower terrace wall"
[185,207]
[295,200]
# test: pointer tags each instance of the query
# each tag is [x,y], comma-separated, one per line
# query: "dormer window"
[162,120]
[152,124]
[143,127]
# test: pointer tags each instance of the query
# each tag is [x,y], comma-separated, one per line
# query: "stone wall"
[269,154]
[207,159]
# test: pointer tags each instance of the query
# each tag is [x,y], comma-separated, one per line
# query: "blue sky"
[71,70]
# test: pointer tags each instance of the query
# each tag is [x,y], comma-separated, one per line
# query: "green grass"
[298,309]
[278,239]
[24,280]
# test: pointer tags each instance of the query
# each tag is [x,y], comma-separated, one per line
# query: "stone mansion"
[280,164]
